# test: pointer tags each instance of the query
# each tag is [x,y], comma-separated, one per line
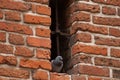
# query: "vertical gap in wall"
[63,38]
[53,28]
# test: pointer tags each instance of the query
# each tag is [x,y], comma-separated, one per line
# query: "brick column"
[25,39]
[94,25]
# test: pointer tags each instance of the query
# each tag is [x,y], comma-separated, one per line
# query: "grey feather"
[57,64]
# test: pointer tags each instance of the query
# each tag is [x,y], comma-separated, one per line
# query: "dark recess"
[64,48]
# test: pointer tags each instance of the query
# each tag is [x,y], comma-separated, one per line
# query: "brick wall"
[25,40]
[94,25]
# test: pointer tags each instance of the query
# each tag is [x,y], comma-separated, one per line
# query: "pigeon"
[57,64]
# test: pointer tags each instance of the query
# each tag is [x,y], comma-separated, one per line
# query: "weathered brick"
[94,78]
[16,39]
[38,42]
[58,76]
[14,27]
[27,63]
[114,32]
[106,21]
[43,54]
[33,19]
[116,73]
[118,11]
[108,10]
[2,59]
[1,78]
[40,75]
[38,1]
[43,10]
[10,60]
[81,16]
[78,77]
[1,14]
[81,58]
[23,51]
[14,5]
[83,37]
[8,49]
[43,32]
[83,7]
[33,8]
[88,27]
[107,62]
[5,78]
[107,41]
[78,48]
[109,2]
[12,15]
[115,53]
[13,72]
[2,36]
[91,70]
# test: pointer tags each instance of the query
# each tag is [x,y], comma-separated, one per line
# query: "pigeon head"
[59,60]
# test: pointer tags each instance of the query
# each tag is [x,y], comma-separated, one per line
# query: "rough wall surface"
[95,25]
[25,40]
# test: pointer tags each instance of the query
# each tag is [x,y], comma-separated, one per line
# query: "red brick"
[23,51]
[13,72]
[43,32]
[83,7]
[8,49]
[5,78]
[108,10]
[58,76]
[116,73]
[92,70]
[16,39]
[94,78]
[1,14]
[2,36]
[81,58]
[43,54]
[83,37]
[107,62]
[115,53]
[77,77]
[38,1]
[40,75]
[2,59]
[43,10]
[10,60]
[114,32]
[78,48]
[38,42]
[81,16]
[14,5]
[88,27]
[27,63]
[14,27]
[109,2]
[33,8]
[1,78]
[118,11]
[107,41]
[12,15]
[106,21]
[33,19]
